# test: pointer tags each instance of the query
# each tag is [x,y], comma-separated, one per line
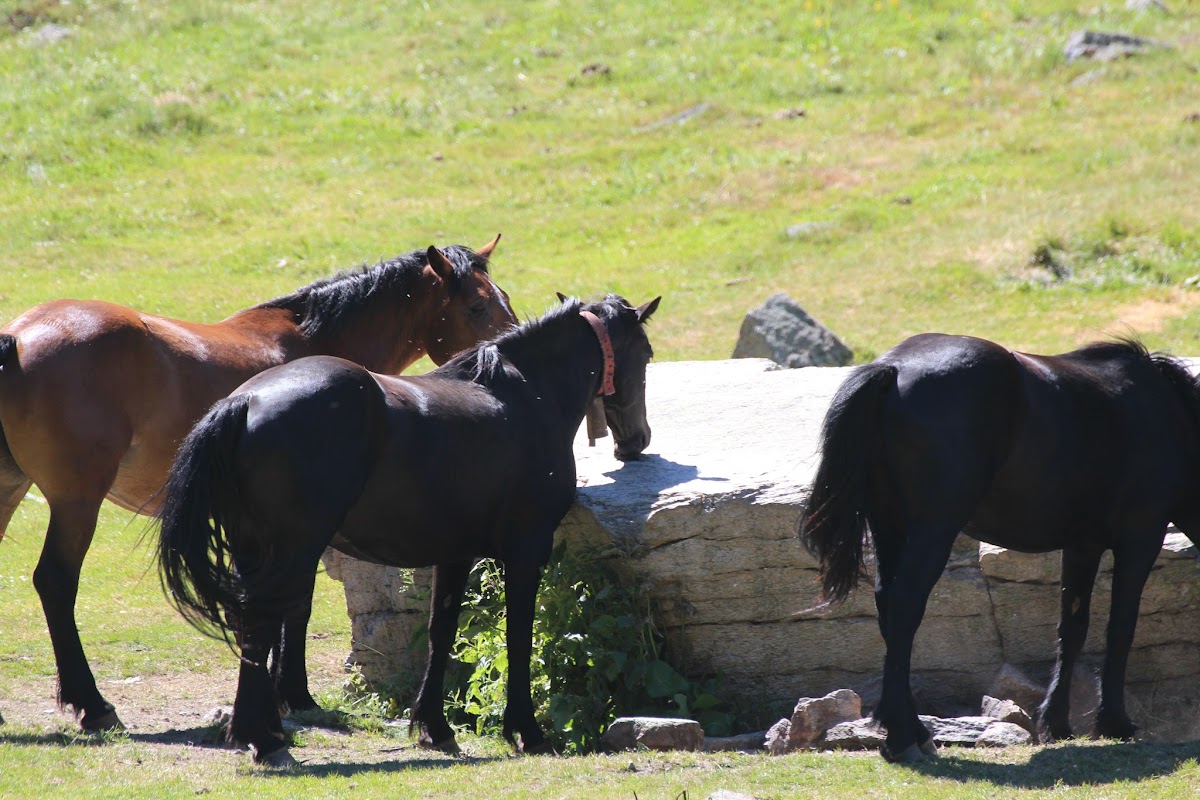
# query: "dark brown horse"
[95,398]
[472,461]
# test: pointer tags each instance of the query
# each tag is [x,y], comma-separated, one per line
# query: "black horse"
[1083,452]
[473,460]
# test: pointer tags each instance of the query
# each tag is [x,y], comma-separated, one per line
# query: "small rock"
[861,734]
[813,716]
[1013,684]
[784,332]
[776,741]
[51,34]
[803,230]
[1003,734]
[596,68]
[1146,5]
[1192,117]
[1106,46]
[790,113]
[742,743]
[725,794]
[655,733]
[1007,711]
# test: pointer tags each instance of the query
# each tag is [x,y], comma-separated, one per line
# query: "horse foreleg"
[56,578]
[449,583]
[1132,561]
[1079,568]
[520,590]
[919,566]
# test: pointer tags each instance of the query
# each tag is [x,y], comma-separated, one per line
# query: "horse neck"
[387,333]
[565,374]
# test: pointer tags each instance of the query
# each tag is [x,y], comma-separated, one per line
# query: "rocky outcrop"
[706,522]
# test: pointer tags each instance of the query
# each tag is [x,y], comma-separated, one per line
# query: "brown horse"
[95,398]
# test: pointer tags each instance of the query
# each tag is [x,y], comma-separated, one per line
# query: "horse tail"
[199,522]
[833,520]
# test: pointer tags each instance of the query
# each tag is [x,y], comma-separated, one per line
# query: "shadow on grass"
[1069,764]
[350,769]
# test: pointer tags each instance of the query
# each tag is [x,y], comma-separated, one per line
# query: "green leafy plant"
[597,656]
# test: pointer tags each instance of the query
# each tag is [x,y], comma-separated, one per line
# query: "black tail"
[833,522]
[199,517]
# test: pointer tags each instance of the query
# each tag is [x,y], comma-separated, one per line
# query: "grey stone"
[655,733]
[813,716]
[860,734]
[776,741]
[1003,734]
[1013,684]
[784,332]
[1006,711]
[50,34]
[1106,46]
[803,230]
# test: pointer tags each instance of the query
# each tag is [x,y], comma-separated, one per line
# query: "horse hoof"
[276,759]
[912,754]
[108,721]
[448,745]
[544,748]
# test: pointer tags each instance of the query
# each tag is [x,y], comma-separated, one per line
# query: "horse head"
[474,308]
[625,399]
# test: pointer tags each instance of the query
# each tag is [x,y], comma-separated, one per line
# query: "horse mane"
[1173,370]
[327,304]
[490,360]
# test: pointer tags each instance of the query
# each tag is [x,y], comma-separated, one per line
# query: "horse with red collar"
[474,460]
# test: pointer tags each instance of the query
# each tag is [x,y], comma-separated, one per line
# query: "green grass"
[194,157]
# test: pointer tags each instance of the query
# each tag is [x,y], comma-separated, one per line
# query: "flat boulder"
[655,733]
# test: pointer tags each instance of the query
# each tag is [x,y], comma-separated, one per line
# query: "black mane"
[487,361]
[325,305]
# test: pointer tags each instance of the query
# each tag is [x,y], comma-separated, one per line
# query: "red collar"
[610,365]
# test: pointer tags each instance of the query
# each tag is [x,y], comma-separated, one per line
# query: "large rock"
[784,332]
[705,523]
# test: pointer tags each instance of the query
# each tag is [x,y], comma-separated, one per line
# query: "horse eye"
[479,308]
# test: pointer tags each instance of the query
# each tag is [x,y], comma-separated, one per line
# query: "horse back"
[1032,452]
[462,473]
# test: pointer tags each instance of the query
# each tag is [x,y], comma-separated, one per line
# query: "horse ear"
[644,311]
[562,298]
[486,250]
[439,263]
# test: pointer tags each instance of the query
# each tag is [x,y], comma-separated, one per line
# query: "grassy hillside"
[895,166]
[193,157]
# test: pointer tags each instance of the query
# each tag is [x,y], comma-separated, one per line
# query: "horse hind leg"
[914,567]
[1132,561]
[56,579]
[1079,566]
[288,669]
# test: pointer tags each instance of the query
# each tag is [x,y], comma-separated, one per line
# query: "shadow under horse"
[95,398]
[474,460]
[1093,450]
